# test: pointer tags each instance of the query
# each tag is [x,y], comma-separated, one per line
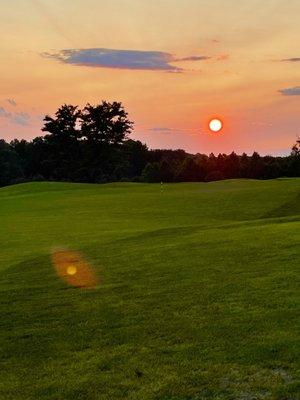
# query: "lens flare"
[72,267]
[72,270]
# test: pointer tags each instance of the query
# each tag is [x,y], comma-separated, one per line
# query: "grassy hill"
[198,298]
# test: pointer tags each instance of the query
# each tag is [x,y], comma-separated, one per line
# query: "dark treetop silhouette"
[93,145]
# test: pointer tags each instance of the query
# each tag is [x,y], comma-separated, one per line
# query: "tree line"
[93,145]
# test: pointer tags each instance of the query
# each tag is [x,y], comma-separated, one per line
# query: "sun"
[215,125]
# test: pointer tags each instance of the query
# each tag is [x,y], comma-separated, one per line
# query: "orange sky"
[236,70]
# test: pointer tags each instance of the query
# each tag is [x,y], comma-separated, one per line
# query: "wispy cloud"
[293,59]
[4,113]
[162,129]
[12,102]
[170,130]
[18,118]
[192,58]
[122,59]
[294,91]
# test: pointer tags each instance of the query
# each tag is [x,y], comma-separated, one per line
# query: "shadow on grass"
[289,208]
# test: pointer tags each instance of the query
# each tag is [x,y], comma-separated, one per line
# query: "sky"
[174,64]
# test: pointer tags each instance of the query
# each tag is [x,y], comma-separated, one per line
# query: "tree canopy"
[94,145]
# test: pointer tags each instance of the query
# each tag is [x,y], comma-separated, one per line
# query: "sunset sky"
[173,63]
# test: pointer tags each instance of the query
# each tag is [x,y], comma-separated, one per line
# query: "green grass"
[198,298]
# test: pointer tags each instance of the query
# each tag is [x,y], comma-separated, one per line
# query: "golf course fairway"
[196,297]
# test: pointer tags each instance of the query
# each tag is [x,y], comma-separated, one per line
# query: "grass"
[198,298]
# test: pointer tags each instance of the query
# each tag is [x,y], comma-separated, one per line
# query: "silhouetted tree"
[272,168]
[104,128]
[151,173]
[63,127]
[214,175]
[296,148]
[10,165]
[136,155]
[232,166]
[188,171]
[63,151]
[256,166]
[93,145]
[244,166]
[105,124]
[294,162]
[23,149]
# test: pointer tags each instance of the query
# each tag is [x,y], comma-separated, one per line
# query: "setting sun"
[215,125]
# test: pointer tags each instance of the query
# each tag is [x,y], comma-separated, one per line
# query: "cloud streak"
[12,102]
[18,118]
[293,59]
[122,59]
[169,130]
[192,58]
[294,91]
[162,129]
[4,113]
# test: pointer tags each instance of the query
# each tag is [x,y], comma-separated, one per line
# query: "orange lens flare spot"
[72,267]
[71,270]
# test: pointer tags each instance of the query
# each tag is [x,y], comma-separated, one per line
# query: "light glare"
[215,125]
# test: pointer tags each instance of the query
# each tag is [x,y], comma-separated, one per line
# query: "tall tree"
[257,166]
[188,171]
[63,151]
[294,164]
[104,129]
[63,127]
[106,123]
[136,155]
[10,165]
[296,148]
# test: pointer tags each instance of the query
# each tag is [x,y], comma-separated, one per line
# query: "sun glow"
[215,125]
[74,269]
[71,270]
